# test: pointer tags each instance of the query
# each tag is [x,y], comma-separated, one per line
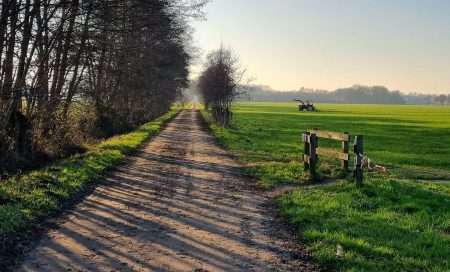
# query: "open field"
[395,223]
[412,141]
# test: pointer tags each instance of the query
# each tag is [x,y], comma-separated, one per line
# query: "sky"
[327,44]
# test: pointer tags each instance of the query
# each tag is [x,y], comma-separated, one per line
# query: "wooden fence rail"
[312,151]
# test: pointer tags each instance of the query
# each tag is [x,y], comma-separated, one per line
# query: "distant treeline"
[355,94]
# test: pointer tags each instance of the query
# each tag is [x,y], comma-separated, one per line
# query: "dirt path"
[178,205]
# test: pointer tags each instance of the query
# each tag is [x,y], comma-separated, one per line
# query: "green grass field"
[395,223]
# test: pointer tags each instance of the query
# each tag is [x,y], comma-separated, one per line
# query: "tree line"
[71,70]
[354,94]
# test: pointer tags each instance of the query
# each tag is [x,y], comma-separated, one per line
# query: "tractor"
[305,105]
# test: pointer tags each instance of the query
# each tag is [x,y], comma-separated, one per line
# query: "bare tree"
[219,82]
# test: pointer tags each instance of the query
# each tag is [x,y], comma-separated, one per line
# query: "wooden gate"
[312,151]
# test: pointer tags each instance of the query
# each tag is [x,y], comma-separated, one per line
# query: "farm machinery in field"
[305,105]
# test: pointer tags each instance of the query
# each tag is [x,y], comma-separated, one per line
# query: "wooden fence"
[312,151]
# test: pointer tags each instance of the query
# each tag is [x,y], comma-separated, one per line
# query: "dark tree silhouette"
[441,99]
[71,69]
[218,84]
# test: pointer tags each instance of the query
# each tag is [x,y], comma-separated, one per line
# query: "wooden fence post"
[359,157]
[310,158]
[306,150]
[345,148]
[312,155]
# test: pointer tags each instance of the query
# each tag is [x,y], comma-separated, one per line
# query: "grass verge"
[390,224]
[386,225]
[26,200]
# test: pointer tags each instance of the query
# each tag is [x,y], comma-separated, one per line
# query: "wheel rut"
[180,204]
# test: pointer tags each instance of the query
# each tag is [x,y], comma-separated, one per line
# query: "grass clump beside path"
[395,223]
[27,199]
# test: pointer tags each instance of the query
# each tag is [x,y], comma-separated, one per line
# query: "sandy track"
[180,204]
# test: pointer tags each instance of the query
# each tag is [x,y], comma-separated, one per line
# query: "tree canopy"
[72,69]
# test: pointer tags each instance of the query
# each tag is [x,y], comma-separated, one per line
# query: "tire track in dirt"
[180,204]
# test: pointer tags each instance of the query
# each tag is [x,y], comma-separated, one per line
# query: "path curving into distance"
[180,204]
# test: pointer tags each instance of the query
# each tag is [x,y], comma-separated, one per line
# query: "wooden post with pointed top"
[358,148]
[310,157]
[344,163]
[306,150]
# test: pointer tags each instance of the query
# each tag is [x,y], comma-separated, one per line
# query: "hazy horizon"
[403,45]
[270,88]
